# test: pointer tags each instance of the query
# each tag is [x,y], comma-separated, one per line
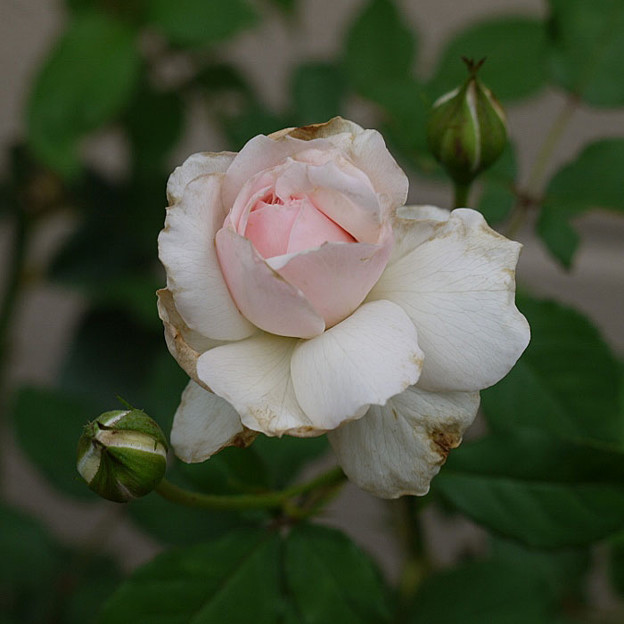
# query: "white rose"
[303,298]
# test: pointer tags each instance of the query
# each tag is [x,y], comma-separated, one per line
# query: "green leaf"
[226,472]
[110,356]
[164,384]
[379,47]
[251,122]
[616,563]
[40,581]
[537,489]
[85,82]
[591,181]
[200,22]
[406,105]
[566,382]
[498,196]
[561,573]
[155,121]
[29,555]
[587,47]
[233,579]
[317,89]
[90,584]
[474,593]
[285,457]
[514,51]
[331,580]
[288,6]
[48,424]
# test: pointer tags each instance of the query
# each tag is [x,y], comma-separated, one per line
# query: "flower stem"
[538,171]
[416,565]
[461,193]
[241,502]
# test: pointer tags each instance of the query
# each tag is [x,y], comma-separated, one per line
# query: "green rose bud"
[467,129]
[122,455]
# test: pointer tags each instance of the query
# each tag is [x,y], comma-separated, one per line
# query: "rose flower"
[304,298]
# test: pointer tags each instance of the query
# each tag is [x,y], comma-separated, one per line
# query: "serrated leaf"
[200,22]
[317,92]
[566,382]
[514,50]
[474,593]
[48,424]
[587,47]
[331,580]
[379,47]
[542,491]
[85,82]
[591,181]
[234,579]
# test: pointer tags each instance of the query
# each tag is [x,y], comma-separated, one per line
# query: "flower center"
[279,226]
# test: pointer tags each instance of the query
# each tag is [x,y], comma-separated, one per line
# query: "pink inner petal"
[269,226]
[312,228]
[276,226]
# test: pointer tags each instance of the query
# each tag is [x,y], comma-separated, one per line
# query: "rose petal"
[263,296]
[335,278]
[398,448]
[204,424]
[254,376]
[194,166]
[369,357]
[458,288]
[257,155]
[368,152]
[337,189]
[412,226]
[186,249]
[348,199]
[183,343]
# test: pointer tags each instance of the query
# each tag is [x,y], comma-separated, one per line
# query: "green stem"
[416,565]
[461,193]
[241,502]
[16,267]
[540,166]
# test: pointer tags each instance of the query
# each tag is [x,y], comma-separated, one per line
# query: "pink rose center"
[277,227]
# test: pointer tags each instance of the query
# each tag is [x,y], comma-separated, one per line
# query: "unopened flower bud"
[467,129]
[122,455]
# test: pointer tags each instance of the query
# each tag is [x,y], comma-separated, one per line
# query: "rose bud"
[467,130]
[122,455]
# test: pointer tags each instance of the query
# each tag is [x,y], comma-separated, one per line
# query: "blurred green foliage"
[548,480]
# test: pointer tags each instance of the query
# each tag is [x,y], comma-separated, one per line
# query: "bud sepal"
[467,129]
[122,455]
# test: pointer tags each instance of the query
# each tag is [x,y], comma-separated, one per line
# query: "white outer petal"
[254,376]
[367,358]
[204,424]
[458,288]
[398,448]
[194,166]
[187,250]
